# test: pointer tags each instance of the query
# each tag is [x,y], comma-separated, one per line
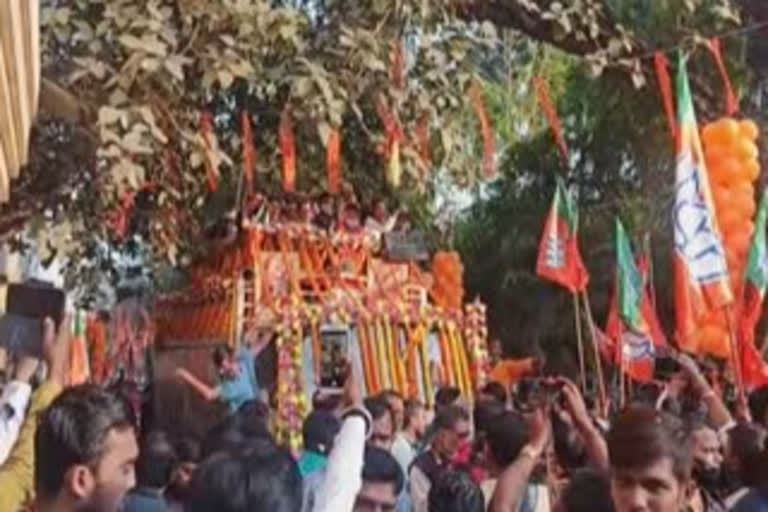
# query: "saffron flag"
[754,370]
[701,270]
[632,321]
[559,258]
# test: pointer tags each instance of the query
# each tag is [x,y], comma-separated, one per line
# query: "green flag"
[630,282]
[757,273]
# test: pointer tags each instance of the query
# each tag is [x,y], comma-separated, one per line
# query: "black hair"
[319,430]
[587,491]
[378,407]
[225,436]
[640,436]
[485,414]
[455,491]
[758,404]
[380,467]
[389,394]
[410,408]
[73,431]
[746,442]
[450,416]
[496,390]
[260,477]
[326,402]
[446,397]
[506,436]
[188,449]
[252,418]
[157,459]
[221,354]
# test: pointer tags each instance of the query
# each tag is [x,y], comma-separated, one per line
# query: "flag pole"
[649,256]
[622,368]
[735,363]
[596,350]
[580,342]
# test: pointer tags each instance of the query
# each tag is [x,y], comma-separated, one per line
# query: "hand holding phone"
[28,305]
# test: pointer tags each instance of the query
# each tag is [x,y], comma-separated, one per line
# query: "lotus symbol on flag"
[696,240]
[637,346]
[555,252]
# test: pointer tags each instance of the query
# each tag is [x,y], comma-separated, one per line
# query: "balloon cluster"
[732,162]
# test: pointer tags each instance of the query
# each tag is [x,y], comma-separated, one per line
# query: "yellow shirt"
[17,474]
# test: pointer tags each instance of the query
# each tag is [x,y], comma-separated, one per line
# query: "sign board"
[410,246]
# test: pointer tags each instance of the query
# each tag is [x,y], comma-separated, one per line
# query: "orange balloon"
[727,172]
[729,219]
[729,130]
[749,129]
[709,133]
[737,242]
[751,169]
[746,149]
[715,153]
[722,196]
[723,132]
[743,199]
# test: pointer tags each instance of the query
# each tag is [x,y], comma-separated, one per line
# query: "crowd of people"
[326,213]
[538,446]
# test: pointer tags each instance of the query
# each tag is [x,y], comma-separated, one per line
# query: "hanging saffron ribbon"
[731,103]
[391,147]
[333,157]
[489,144]
[665,85]
[121,219]
[395,170]
[249,155]
[206,129]
[545,101]
[288,147]
[398,65]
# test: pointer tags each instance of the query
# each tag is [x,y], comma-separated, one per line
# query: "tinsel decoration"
[489,142]
[288,148]
[211,170]
[333,157]
[398,65]
[393,137]
[665,86]
[731,103]
[249,154]
[545,101]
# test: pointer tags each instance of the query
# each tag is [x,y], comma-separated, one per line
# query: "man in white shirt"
[406,441]
[13,404]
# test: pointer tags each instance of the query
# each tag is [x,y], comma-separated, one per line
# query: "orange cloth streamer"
[288,148]
[206,129]
[545,100]
[731,103]
[489,143]
[665,86]
[333,157]
[249,154]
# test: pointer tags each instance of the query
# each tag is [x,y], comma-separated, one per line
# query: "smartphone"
[27,305]
[335,357]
